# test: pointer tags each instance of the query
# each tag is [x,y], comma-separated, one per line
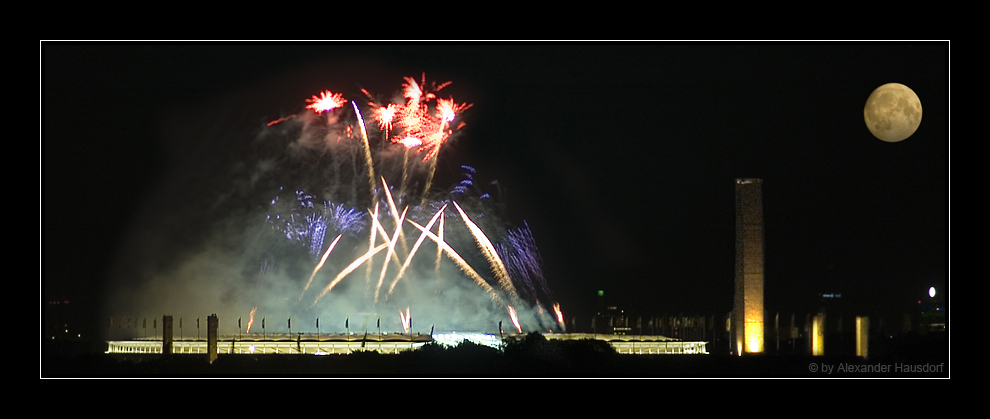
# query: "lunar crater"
[893,112]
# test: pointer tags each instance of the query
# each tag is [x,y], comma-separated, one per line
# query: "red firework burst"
[327,101]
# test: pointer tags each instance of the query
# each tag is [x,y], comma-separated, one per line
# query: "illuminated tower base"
[862,336]
[818,335]
[747,312]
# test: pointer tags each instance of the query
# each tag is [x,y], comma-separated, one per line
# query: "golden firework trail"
[447,109]
[498,268]
[515,319]
[381,230]
[350,268]
[560,315]
[429,179]
[440,235]
[320,265]
[389,255]
[367,151]
[467,269]
[395,214]
[281,120]
[251,319]
[407,143]
[419,241]
[405,320]
[371,241]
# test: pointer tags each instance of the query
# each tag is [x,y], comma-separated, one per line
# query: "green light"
[601,293]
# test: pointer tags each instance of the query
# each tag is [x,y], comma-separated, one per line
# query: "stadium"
[339,344]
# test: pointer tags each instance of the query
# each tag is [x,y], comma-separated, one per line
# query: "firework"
[523,261]
[468,270]
[415,247]
[417,125]
[490,254]
[440,236]
[405,320]
[388,256]
[320,265]
[350,268]
[408,143]
[415,120]
[251,319]
[371,239]
[334,189]
[395,214]
[560,314]
[385,115]
[308,225]
[367,151]
[280,120]
[515,319]
[327,101]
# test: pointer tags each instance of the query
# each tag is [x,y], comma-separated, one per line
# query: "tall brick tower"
[747,312]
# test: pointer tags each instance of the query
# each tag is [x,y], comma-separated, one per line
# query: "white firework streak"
[350,268]
[429,179]
[439,230]
[498,268]
[419,241]
[320,265]
[371,240]
[372,251]
[405,319]
[391,252]
[367,151]
[381,229]
[467,269]
[395,213]
[515,319]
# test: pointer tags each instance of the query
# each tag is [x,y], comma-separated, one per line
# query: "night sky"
[621,157]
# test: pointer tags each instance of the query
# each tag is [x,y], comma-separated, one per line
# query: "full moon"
[892,112]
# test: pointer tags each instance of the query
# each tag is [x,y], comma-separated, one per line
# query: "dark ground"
[534,357]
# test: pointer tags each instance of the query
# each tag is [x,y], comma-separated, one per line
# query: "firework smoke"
[310,177]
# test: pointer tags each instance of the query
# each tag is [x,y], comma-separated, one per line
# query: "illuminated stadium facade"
[276,344]
[340,344]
